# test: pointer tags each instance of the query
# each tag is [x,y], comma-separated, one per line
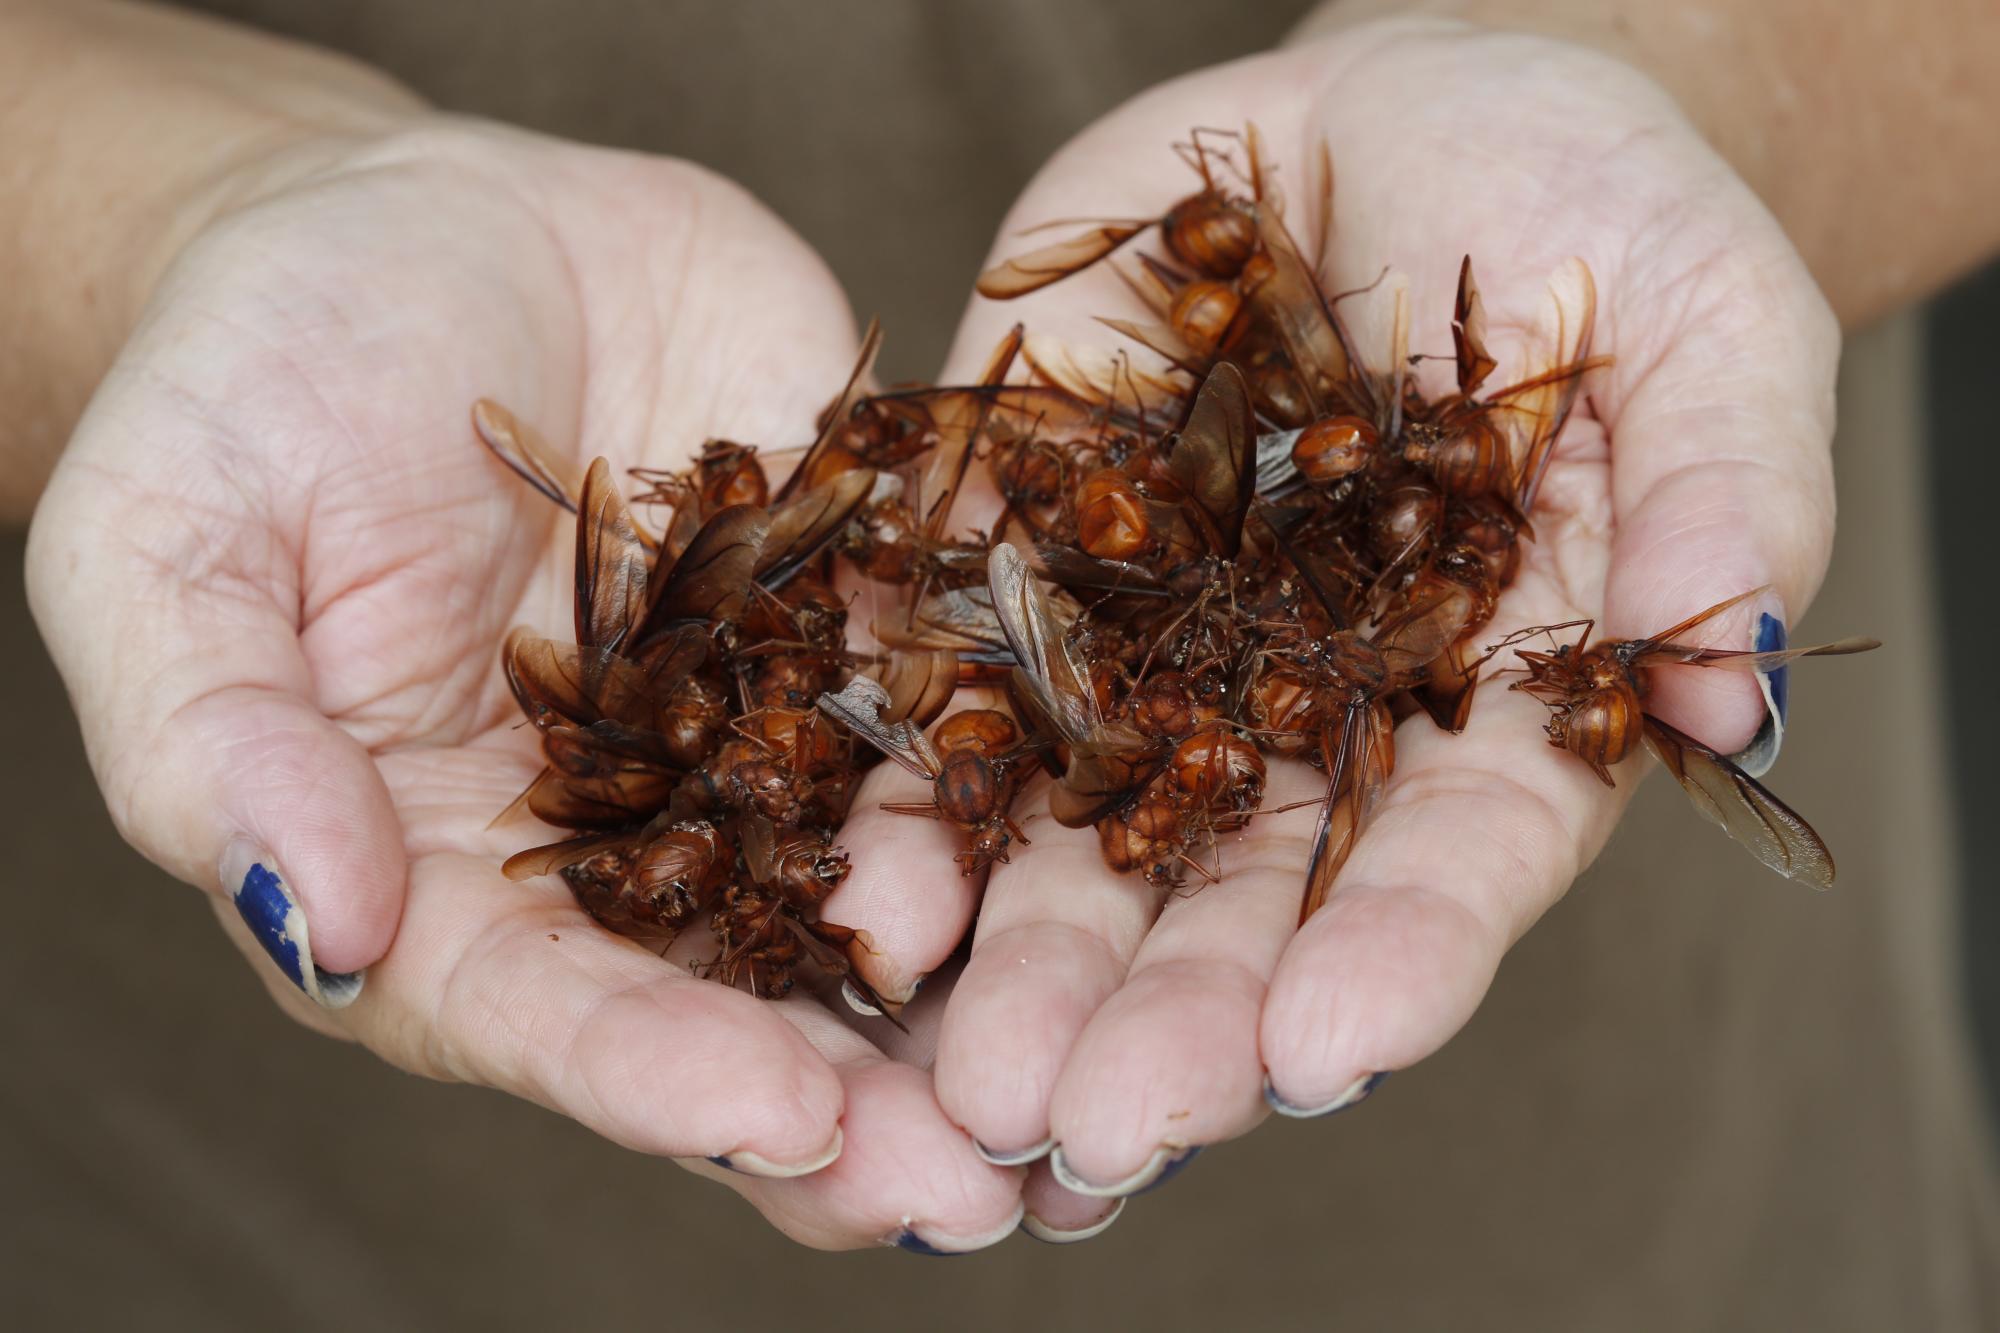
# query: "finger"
[1405,949]
[1060,1216]
[906,1176]
[1170,1062]
[1056,935]
[180,647]
[1722,479]
[904,891]
[512,986]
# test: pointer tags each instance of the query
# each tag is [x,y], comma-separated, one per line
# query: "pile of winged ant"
[1264,547]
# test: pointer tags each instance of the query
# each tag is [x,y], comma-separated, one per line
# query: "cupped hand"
[275,569]
[1124,1027]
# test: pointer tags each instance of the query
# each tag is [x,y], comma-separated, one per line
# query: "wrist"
[1867,134]
[131,129]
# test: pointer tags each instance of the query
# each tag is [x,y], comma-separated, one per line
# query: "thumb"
[1722,481]
[173,625]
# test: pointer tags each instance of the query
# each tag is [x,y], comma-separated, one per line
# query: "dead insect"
[1595,697]
[971,767]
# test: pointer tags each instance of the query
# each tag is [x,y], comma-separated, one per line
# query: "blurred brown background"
[173,1152]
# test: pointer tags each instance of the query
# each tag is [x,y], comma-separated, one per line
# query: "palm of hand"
[1126,1027]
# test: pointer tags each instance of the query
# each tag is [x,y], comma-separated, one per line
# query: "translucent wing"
[1745,660]
[1554,376]
[522,448]
[611,564]
[710,581]
[1215,458]
[1468,333]
[554,856]
[1052,263]
[1050,670]
[803,526]
[836,415]
[1772,831]
[920,685]
[1178,351]
[1358,760]
[860,704]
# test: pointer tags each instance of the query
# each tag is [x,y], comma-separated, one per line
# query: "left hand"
[1125,1027]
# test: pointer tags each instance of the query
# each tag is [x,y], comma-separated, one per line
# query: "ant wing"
[521,447]
[960,419]
[1357,765]
[960,619]
[920,685]
[710,580]
[1310,334]
[1214,461]
[1047,666]
[1052,263]
[835,416]
[1540,403]
[760,847]
[554,856]
[1419,634]
[1177,351]
[860,704]
[1068,567]
[557,683]
[1468,333]
[1744,660]
[1104,773]
[804,525]
[611,564]
[1768,827]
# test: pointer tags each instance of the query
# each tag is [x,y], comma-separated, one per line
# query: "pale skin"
[275,572]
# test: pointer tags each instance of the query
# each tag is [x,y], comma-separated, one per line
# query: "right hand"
[275,567]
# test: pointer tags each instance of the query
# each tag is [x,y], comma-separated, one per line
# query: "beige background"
[1697,1098]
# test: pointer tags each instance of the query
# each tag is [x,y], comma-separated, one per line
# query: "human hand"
[1127,1027]
[275,569]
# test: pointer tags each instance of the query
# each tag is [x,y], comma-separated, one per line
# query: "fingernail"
[931,1242]
[755,1164]
[1049,1235]
[856,1003]
[1174,1167]
[1032,1153]
[1165,1161]
[267,905]
[1757,757]
[1355,1093]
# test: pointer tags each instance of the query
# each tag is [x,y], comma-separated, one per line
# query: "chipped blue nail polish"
[1356,1093]
[1771,638]
[1173,1168]
[915,1244]
[1761,753]
[279,926]
[722,1162]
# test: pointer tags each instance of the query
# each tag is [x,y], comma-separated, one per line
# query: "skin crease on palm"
[1124,1025]
[274,515]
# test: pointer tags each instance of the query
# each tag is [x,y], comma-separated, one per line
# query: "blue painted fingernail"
[1173,1168]
[1355,1093]
[1757,757]
[909,1239]
[277,922]
[915,1244]
[756,1164]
